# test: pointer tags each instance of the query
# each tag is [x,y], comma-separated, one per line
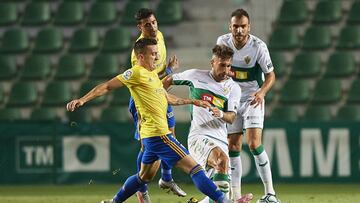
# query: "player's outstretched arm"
[97,91]
[176,101]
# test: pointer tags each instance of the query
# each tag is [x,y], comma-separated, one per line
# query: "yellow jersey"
[150,100]
[161,63]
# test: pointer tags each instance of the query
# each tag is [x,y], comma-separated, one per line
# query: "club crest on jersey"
[214,100]
[226,90]
[127,74]
[247,59]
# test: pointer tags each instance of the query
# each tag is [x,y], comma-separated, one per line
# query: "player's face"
[220,68]
[240,28]
[148,27]
[150,57]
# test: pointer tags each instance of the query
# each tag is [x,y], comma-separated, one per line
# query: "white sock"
[236,173]
[263,167]
[222,182]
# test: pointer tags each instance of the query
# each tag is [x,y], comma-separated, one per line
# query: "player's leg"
[142,194]
[166,181]
[235,146]
[201,181]
[166,174]
[254,126]
[220,162]
[135,182]
[262,161]
[149,166]
[173,152]
[235,135]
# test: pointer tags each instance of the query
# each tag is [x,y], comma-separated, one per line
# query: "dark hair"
[240,13]
[143,13]
[142,43]
[222,51]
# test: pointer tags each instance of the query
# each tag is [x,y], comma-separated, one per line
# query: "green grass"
[288,193]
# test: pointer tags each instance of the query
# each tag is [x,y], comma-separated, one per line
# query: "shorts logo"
[214,100]
[127,74]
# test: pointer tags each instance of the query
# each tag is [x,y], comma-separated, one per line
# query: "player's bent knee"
[223,163]
[147,177]
[235,142]
[253,144]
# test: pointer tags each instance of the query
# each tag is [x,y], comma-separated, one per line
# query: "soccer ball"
[268,199]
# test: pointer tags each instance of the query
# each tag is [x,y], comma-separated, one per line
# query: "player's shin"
[142,189]
[165,172]
[222,181]
[131,185]
[263,167]
[205,185]
[236,173]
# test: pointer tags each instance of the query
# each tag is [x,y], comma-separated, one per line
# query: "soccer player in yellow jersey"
[147,25]
[151,101]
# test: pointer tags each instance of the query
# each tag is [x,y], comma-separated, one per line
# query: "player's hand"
[258,98]
[231,74]
[201,103]
[71,106]
[173,63]
[217,113]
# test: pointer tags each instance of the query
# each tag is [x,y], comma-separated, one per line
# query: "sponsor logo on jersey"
[247,59]
[127,74]
[241,75]
[214,100]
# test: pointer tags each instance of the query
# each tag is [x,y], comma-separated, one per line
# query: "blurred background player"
[250,62]
[207,139]
[147,25]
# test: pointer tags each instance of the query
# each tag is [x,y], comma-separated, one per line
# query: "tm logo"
[207,97]
[34,154]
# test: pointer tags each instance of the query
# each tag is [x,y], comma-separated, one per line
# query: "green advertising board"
[106,152]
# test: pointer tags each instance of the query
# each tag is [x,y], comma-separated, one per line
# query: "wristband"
[168,70]
[221,114]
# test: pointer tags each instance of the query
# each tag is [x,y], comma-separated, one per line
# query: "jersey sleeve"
[183,78]
[264,59]
[220,41]
[234,99]
[130,77]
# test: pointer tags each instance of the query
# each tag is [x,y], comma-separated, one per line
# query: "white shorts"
[247,117]
[200,147]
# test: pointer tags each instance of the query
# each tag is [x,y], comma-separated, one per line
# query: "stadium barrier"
[106,152]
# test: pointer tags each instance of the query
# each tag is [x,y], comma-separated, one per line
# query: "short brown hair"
[142,43]
[222,51]
[240,13]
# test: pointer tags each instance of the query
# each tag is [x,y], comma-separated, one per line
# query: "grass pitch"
[288,193]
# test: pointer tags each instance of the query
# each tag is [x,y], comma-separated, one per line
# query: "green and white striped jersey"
[224,95]
[249,63]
